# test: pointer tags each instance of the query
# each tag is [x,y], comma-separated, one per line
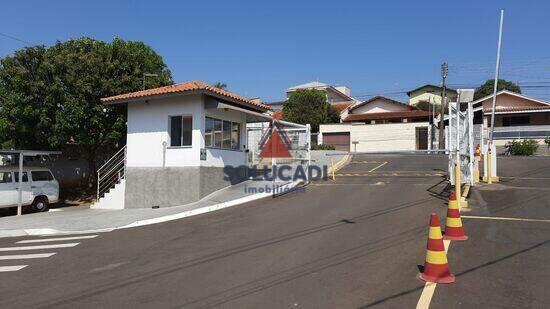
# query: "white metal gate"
[460,141]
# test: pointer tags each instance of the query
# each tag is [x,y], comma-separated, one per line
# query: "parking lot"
[355,242]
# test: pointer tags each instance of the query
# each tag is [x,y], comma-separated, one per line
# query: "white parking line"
[379,166]
[429,287]
[506,219]
[12,268]
[40,247]
[26,256]
[30,241]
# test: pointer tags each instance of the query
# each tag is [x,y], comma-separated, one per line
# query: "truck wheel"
[40,204]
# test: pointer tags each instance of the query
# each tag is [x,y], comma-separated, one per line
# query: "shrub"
[547,141]
[526,147]
[323,147]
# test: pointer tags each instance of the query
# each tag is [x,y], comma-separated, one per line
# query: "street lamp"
[148,75]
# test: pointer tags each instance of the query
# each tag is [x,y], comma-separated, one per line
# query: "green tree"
[309,106]
[333,115]
[51,95]
[220,85]
[488,87]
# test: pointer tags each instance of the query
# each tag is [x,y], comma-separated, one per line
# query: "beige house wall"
[432,97]
[379,137]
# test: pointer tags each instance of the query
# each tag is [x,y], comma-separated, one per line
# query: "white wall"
[379,137]
[148,127]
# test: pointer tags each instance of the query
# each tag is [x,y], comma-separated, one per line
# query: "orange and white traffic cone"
[436,267]
[453,227]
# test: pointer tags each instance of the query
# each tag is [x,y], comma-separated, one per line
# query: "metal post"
[489,173]
[308,134]
[496,78]
[444,70]
[458,185]
[20,189]
[471,142]
[273,162]
[457,110]
[97,196]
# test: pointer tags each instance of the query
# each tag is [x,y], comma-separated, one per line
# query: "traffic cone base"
[441,274]
[446,237]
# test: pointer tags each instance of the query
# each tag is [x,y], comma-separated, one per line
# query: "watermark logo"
[275,145]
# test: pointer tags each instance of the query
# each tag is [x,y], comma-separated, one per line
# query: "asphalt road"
[351,243]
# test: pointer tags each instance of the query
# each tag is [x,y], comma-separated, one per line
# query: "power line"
[16,39]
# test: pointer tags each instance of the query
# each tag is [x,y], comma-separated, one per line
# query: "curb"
[181,215]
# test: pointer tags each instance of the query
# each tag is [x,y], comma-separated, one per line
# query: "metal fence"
[296,139]
[460,141]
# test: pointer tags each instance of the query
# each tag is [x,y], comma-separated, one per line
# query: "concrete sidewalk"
[84,220]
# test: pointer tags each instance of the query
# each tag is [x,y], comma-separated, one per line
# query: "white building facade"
[181,139]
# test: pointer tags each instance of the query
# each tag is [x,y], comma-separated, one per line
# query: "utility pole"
[444,70]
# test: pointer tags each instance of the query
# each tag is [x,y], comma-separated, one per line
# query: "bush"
[547,141]
[526,147]
[323,147]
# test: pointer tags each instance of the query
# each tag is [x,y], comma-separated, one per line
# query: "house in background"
[431,94]
[337,96]
[378,124]
[179,140]
[516,117]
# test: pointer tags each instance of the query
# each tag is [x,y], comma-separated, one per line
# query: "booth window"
[222,134]
[181,131]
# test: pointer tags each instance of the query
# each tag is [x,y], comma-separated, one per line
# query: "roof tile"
[388,115]
[181,88]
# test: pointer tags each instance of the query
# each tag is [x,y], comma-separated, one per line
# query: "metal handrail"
[112,172]
[113,168]
[123,149]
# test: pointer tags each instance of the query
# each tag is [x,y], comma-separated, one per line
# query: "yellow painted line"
[379,166]
[506,219]
[429,287]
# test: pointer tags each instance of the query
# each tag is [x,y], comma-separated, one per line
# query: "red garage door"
[340,140]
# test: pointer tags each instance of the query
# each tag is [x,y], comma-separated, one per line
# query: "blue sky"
[260,48]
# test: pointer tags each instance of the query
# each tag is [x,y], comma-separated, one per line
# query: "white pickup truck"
[39,187]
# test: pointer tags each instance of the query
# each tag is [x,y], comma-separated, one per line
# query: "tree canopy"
[220,85]
[488,87]
[309,106]
[51,95]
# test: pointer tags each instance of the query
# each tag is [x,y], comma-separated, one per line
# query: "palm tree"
[220,85]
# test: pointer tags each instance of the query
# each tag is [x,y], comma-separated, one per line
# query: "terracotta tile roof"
[181,88]
[340,106]
[501,109]
[388,115]
[410,107]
